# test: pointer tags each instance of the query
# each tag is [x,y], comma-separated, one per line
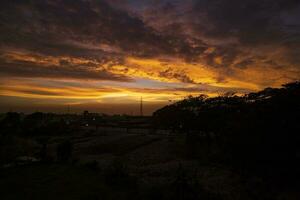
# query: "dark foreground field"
[135,166]
[229,147]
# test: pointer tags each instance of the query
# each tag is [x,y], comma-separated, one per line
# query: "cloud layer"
[204,46]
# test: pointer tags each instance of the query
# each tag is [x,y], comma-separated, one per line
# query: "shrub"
[64,151]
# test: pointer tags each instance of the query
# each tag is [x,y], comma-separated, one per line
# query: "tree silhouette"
[254,128]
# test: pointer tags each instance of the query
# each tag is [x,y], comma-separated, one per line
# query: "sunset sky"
[103,55]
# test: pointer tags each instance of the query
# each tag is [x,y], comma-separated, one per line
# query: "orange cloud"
[194,78]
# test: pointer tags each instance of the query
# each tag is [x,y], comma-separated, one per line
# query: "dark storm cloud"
[251,21]
[37,92]
[244,63]
[54,68]
[46,26]
[233,27]
[106,32]
[182,77]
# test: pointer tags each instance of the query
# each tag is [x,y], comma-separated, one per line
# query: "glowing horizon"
[107,54]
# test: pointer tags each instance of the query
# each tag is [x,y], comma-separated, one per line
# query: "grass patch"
[57,182]
[121,146]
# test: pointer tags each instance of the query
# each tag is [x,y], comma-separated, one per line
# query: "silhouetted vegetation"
[226,147]
[117,176]
[249,131]
[64,151]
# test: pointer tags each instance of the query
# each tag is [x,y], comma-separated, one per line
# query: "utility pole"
[68,109]
[141,107]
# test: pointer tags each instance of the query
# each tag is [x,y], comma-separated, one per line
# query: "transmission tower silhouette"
[141,107]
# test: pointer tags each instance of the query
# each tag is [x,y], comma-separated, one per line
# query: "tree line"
[256,128]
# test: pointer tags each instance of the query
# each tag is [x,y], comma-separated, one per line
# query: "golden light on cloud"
[162,79]
[117,52]
[160,70]
[174,70]
[107,94]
